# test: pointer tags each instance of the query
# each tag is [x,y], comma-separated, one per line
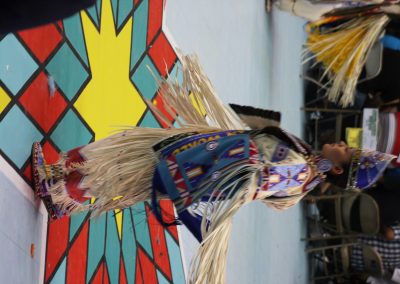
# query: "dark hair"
[341,179]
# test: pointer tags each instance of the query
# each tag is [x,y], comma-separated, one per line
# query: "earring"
[324,165]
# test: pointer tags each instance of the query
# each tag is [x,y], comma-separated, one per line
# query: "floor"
[250,56]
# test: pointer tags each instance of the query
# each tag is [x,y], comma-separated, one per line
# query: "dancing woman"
[217,161]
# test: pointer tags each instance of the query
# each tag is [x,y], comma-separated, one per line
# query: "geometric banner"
[75,81]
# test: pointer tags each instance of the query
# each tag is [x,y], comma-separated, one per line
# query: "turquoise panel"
[59,277]
[161,279]
[97,231]
[94,12]
[67,71]
[129,246]
[93,15]
[142,227]
[139,32]
[114,5]
[74,32]
[149,120]
[176,124]
[16,65]
[176,72]
[76,222]
[112,249]
[99,5]
[178,276]
[17,134]
[71,132]
[144,79]
[124,10]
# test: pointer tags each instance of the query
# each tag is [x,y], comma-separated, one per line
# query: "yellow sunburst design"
[109,100]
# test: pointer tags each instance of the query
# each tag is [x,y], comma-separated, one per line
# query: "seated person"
[388,249]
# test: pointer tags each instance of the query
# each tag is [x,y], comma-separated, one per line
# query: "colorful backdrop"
[72,82]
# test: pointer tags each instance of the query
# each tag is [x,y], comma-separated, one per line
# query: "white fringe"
[341,86]
[119,169]
[190,111]
[64,202]
[208,266]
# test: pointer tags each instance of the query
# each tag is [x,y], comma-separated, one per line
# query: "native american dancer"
[209,167]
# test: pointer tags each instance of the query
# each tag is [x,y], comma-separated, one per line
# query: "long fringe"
[208,266]
[343,50]
[63,201]
[195,102]
[209,263]
[119,169]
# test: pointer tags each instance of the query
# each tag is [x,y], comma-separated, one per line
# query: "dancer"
[217,161]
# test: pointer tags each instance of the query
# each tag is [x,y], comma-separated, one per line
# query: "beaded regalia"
[210,166]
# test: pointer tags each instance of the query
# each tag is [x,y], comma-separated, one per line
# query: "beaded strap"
[305,155]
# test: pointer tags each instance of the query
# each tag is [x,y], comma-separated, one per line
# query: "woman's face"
[337,153]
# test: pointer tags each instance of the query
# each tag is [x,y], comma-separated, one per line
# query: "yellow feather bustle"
[343,51]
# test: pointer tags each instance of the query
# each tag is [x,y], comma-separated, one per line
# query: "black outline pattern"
[46,136]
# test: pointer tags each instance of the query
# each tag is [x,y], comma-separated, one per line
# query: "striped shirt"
[389,250]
